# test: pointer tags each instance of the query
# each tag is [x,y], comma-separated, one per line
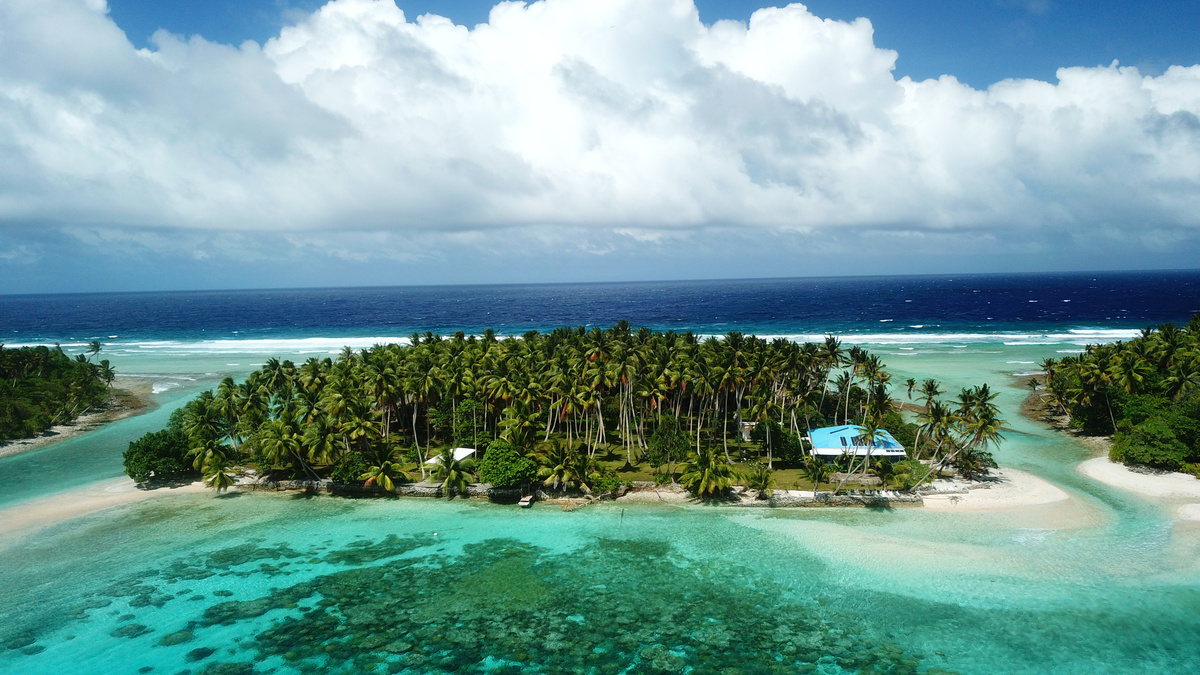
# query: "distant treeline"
[43,386]
[1145,392]
[571,400]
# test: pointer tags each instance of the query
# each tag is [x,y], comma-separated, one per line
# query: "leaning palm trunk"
[420,454]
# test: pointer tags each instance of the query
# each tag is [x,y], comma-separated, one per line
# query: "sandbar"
[29,516]
[1009,489]
[1167,486]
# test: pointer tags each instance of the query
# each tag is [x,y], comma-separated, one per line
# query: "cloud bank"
[609,119]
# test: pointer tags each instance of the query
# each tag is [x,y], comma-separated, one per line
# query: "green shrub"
[1153,443]
[350,469]
[159,456]
[906,473]
[504,466]
[605,482]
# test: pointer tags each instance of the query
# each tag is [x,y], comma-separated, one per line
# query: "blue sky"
[584,140]
[980,42]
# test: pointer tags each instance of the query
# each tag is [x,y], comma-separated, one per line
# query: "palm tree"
[816,471]
[106,372]
[707,474]
[589,384]
[385,474]
[584,470]
[453,473]
[760,478]
[884,470]
[930,389]
[218,474]
[557,463]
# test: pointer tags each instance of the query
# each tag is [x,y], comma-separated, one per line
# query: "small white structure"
[747,429]
[832,442]
[459,455]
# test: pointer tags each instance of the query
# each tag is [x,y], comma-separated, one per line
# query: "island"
[577,410]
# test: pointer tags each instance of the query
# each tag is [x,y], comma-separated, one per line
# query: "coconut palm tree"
[816,471]
[385,474]
[707,474]
[557,462]
[218,473]
[760,478]
[584,385]
[454,474]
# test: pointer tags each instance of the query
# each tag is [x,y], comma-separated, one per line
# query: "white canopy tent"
[459,455]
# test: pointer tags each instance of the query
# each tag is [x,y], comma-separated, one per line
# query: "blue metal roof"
[850,438]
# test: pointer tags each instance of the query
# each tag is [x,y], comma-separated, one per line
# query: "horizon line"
[633,282]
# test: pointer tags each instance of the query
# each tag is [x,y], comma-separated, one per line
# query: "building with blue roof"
[829,443]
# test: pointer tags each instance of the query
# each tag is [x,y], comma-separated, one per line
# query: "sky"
[157,145]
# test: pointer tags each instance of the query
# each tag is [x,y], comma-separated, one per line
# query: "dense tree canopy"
[159,456]
[42,386]
[569,394]
[1146,392]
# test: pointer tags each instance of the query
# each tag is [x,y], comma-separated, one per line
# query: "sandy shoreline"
[1165,488]
[1169,489]
[131,396]
[29,516]
[1011,489]
[1173,486]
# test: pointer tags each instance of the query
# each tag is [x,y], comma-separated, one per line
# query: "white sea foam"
[320,346]
[1081,337]
[67,346]
[274,346]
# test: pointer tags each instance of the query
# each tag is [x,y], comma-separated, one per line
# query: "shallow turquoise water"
[336,585]
[274,583]
[83,459]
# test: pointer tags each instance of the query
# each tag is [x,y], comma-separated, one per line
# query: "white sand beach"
[29,516]
[1169,488]
[1011,489]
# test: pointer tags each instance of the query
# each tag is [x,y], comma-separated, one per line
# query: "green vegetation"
[574,408]
[503,465]
[160,456]
[1145,392]
[41,387]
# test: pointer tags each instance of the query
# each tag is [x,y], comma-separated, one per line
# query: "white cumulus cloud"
[607,116]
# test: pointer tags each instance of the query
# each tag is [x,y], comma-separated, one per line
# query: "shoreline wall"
[781,499]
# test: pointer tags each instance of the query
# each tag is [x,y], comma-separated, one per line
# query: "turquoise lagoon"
[241,583]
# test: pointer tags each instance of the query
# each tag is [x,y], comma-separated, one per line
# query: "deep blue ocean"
[1024,303]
